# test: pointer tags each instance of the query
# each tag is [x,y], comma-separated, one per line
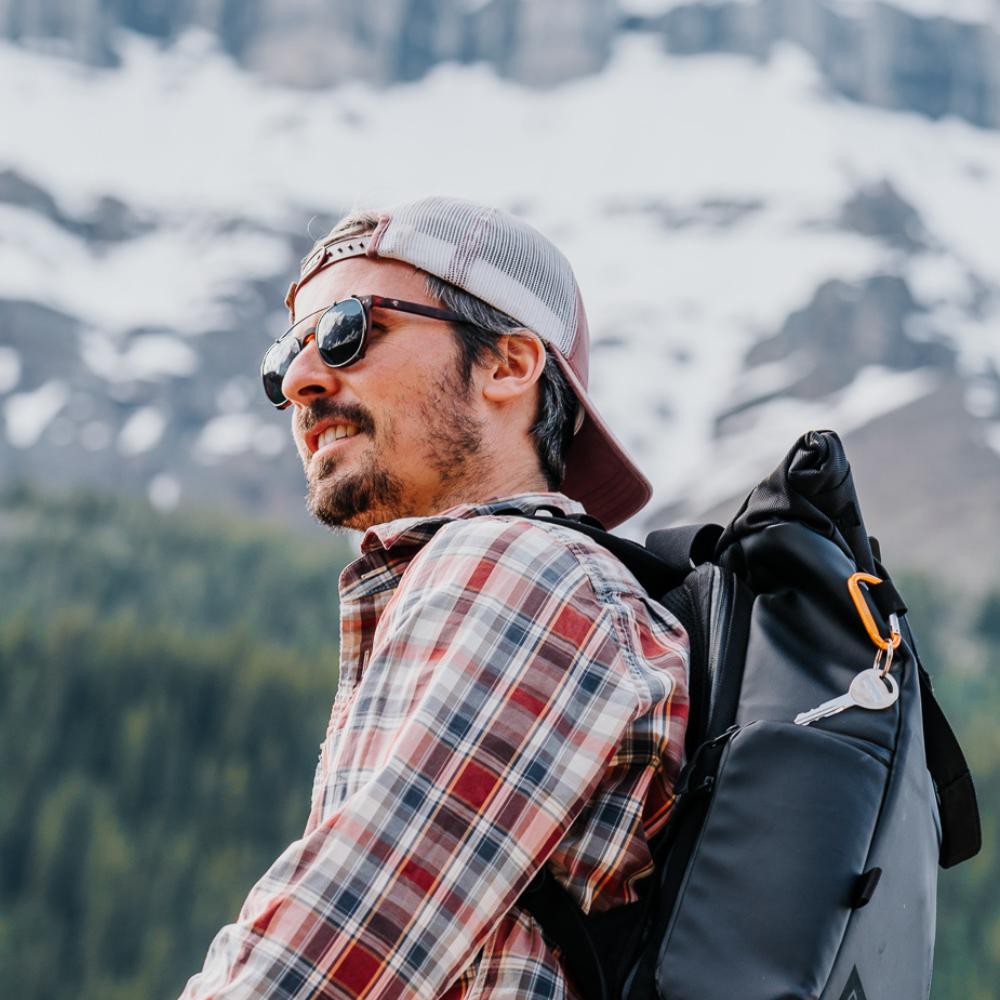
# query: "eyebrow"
[381,316]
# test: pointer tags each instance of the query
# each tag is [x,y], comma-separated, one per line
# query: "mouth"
[329,435]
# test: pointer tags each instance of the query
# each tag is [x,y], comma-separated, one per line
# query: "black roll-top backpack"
[800,860]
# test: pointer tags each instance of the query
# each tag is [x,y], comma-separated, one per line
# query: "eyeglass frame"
[368,302]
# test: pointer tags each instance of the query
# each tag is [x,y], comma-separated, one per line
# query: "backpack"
[799,860]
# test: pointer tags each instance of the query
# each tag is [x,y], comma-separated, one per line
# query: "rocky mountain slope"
[779,216]
[936,57]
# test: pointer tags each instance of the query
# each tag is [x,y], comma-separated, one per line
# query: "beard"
[374,494]
[367,497]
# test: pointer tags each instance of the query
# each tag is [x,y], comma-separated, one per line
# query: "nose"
[308,378]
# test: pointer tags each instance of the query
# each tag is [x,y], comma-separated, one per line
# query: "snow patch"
[10,368]
[982,399]
[178,276]
[164,492]
[650,8]
[236,394]
[937,278]
[992,435]
[235,433]
[270,440]
[148,356]
[142,431]
[27,414]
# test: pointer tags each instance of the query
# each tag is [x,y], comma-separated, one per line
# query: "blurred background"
[783,214]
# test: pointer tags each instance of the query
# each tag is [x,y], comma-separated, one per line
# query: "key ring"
[887,653]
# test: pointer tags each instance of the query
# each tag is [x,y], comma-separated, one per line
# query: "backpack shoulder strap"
[563,922]
[961,834]
[656,574]
[685,547]
[559,915]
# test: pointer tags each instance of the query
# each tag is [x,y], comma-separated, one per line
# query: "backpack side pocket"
[786,836]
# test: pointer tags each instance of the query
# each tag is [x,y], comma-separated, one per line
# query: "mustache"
[326,409]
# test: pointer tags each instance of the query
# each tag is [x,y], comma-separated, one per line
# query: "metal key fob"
[867,690]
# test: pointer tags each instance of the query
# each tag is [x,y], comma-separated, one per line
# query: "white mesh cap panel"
[492,255]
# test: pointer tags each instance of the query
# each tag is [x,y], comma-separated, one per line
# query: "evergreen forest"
[165,681]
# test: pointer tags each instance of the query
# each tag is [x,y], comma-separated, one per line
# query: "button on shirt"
[509,697]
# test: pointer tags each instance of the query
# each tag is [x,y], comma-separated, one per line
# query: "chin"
[370,496]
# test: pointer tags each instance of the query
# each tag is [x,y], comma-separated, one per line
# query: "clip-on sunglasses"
[341,334]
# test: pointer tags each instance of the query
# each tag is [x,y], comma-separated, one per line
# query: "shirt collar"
[419,529]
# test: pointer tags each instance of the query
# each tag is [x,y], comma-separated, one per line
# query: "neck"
[500,473]
[491,489]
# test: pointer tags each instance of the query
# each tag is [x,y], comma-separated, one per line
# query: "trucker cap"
[508,264]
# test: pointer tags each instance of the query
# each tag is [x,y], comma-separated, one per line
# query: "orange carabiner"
[854,586]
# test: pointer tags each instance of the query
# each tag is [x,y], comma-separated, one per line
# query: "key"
[867,690]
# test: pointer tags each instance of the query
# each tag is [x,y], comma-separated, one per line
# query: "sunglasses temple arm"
[413,307]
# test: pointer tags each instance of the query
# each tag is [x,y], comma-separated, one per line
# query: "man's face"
[415,439]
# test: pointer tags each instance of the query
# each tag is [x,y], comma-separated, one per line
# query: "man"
[509,698]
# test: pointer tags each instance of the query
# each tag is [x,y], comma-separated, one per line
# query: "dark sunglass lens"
[276,363]
[340,333]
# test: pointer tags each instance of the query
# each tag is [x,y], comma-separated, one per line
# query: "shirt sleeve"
[499,693]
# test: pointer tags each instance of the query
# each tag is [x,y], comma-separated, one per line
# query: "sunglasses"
[341,335]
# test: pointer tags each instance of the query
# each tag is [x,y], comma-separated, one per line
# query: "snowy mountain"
[778,218]
[937,57]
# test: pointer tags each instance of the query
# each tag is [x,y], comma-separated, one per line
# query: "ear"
[513,372]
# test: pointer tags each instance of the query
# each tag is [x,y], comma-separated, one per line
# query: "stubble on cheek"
[454,448]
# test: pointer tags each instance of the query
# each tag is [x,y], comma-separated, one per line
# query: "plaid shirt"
[509,696]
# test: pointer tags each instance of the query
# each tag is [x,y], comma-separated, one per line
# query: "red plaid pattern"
[509,697]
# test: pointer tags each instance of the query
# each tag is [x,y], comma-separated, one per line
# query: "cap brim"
[599,472]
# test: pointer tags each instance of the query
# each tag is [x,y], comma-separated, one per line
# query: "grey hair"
[477,337]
